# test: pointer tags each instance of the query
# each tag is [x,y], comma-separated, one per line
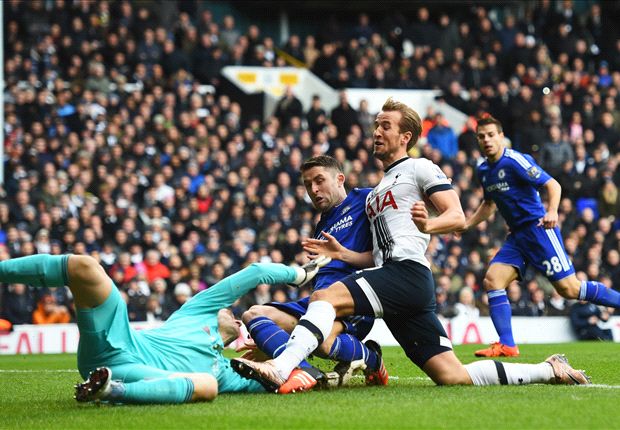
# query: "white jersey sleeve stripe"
[519,159]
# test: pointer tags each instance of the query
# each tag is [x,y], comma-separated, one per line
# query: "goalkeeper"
[179,362]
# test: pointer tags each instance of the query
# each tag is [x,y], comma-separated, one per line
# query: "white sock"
[303,341]
[488,372]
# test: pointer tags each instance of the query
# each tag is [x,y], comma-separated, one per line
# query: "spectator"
[344,116]
[442,137]
[585,319]
[288,107]
[17,304]
[48,312]
[555,152]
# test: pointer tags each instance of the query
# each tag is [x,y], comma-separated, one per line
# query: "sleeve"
[430,178]
[528,171]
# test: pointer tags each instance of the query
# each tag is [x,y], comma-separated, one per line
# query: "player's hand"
[550,220]
[251,351]
[419,215]
[329,247]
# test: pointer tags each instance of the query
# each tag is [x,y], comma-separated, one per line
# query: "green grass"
[36,392]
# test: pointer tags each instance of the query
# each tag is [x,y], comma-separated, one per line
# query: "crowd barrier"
[63,338]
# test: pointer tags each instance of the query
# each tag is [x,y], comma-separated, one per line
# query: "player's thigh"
[506,266]
[285,320]
[421,336]
[543,248]
[499,276]
[447,369]
[339,296]
[106,338]
[396,288]
[88,281]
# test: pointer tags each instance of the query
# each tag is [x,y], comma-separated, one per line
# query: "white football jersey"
[394,234]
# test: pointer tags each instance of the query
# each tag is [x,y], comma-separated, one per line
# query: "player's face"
[490,141]
[229,327]
[389,143]
[324,186]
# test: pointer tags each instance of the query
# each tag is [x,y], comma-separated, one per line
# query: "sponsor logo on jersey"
[378,203]
[345,210]
[500,186]
[343,223]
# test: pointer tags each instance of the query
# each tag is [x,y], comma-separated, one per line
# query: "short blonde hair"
[410,120]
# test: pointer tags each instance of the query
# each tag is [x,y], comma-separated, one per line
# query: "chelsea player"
[511,181]
[179,362]
[343,220]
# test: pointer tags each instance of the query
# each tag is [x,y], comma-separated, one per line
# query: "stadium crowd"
[113,148]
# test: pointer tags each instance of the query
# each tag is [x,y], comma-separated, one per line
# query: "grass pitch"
[36,392]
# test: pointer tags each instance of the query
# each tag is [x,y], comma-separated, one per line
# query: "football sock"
[160,390]
[598,293]
[312,329]
[348,348]
[501,314]
[41,270]
[269,337]
[488,372]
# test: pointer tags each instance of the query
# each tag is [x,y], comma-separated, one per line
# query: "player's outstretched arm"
[554,192]
[484,211]
[450,219]
[336,251]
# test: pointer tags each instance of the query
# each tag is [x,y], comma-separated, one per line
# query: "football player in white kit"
[401,288]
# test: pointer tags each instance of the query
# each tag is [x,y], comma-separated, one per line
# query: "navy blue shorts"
[403,294]
[358,326]
[541,247]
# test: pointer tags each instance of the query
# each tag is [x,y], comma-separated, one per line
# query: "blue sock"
[150,391]
[501,315]
[348,348]
[41,270]
[598,293]
[269,337]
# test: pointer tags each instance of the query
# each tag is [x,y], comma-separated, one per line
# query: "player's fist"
[419,215]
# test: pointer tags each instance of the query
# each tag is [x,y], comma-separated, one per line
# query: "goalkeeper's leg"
[84,276]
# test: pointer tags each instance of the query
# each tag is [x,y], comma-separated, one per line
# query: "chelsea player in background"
[511,181]
[343,220]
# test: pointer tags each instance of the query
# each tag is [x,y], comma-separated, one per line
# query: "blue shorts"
[541,247]
[358,326]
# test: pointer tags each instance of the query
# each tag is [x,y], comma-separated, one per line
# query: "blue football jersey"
[348,223]
[512,183]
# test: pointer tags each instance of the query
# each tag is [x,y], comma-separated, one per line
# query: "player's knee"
[205,387]
[321,295]
[450,378]
[81,263]
[84,269]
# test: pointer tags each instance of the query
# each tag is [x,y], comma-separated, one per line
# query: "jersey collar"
[395,163]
